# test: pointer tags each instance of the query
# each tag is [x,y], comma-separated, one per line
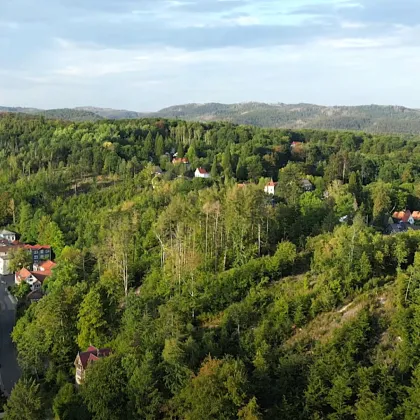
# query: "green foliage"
[92,325]
[104,392]
[20,258]
[68,405]
[25,402]
[216,299]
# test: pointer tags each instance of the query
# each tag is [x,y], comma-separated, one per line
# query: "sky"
[144,55]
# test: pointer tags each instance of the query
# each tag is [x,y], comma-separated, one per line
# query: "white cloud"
[352,25]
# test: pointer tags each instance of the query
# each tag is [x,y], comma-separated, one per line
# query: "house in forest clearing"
[405,216]
[307,185]
[181,161]
[201,173]
[84,359]
[270,187]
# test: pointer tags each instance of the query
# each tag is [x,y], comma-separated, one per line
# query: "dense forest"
[368,118]
[216,300]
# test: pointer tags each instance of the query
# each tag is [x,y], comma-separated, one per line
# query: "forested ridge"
[217,301]
[369,118]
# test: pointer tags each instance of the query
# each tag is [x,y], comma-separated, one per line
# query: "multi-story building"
[85,358]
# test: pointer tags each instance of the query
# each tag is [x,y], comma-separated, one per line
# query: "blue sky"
[147,54]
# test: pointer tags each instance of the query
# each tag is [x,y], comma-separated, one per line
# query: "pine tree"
[159,147]
[214,171]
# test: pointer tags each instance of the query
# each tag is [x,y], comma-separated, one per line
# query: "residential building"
[181,161]
[8,235]
[270,188]
[35,278]
[201,173]
[34,296]
[84,359]
[400,227]
[307,185]
[404,216]
[39,252]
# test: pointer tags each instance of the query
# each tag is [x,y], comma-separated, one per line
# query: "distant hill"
[59,114]
[113,114]
[370,118]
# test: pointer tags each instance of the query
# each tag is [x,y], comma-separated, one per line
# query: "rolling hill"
[369,118]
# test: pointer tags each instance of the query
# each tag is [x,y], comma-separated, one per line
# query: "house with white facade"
[201,173]
[8,235]
[270,188]
[35,278]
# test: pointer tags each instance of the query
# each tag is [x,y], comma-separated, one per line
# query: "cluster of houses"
[199,172]
[402,221]
[42,267]
[41,262]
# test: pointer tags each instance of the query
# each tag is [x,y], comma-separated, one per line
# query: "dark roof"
[306,183]
[35,295]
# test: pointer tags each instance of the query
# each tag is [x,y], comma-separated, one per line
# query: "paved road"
[9,370]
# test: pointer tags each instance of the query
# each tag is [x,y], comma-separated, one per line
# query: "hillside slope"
[368,118]
[371,118]
[59,114]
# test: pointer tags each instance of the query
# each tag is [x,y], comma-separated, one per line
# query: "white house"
[270,188]
[34,281]
[35,278]
[201,173]
[8,235]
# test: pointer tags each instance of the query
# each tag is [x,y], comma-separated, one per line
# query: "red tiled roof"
[36,247]
[180,160]
[202,171]
[23,274]
[46,267]
[271,184]
[402,215]
[92,354]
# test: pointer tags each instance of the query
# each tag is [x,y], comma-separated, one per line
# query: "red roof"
[40,275]
[36,247]
[180,160]
[296,143]
[46,267]
[402,215]
[23,274]
[271,184]
[92,354]
[202,171]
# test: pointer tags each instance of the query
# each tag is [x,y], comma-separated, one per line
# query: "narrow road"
[9,369]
